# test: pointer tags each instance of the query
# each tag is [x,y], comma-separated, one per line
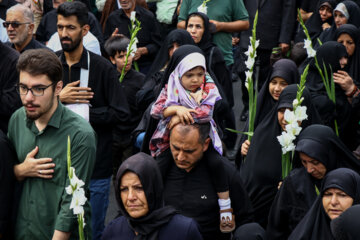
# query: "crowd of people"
[153,120]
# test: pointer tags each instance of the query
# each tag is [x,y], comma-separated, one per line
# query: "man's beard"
[72,46]
[35,115]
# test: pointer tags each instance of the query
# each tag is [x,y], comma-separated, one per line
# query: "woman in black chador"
[319,21]
[345,12]
[346,227]
[284,72]
[261,170]
[349,35]
[340,190]
[318,151]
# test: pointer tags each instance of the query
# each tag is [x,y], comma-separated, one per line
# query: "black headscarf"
[261,171]
[145,167]
[314,23]
[354,18]
[283,68]
[321,143]
[352,67]
[316,223]
[347,225]
[206,41]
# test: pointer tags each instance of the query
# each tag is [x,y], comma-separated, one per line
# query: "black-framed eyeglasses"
[14,24]
[36,91]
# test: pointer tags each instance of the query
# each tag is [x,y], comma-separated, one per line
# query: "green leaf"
[236,131]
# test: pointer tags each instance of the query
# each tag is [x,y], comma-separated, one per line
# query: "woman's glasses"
[14,24]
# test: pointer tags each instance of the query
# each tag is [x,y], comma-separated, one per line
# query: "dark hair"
[298,53]
[203,128]
[41,61]
[77,9]
[116,44]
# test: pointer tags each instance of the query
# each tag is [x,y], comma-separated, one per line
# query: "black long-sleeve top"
[7,180]
[9,98]
[48,26]
[148,36]
[194,195]
[131,84]
[108,107]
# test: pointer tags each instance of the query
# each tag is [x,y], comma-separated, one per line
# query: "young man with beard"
[91,85]
[19,25]
[39,132]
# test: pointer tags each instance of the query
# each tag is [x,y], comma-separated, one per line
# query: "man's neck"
[20,47]
[42,121]
[128,11]
[74,56]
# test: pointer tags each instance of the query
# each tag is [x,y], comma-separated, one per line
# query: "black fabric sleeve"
[240,200]
[217,171]
[288,21]
[117,110]
[7,179]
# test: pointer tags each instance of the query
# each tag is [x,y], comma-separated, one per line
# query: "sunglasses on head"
[14,24]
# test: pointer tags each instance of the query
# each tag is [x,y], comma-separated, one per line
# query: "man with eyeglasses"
[39,133]
[19,25]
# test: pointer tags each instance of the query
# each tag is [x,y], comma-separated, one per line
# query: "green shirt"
[44,204]
[222,11]
[165,10]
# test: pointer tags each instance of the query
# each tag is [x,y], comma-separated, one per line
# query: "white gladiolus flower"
[309,50]
[248,75]
[289,116]
[249,51]
[202,9]
[257,42]
[77,201]
[300,113]
[293,128]
[247,84]
[75,183]
[286,141]
[250,63]
[132,16]
[295,103]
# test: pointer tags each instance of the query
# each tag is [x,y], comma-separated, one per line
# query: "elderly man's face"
[186,147]
[20,34]
[127,4]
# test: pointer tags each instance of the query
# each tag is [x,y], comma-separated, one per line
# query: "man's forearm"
[181,24]
[19,171]
[59,235]
[236,26]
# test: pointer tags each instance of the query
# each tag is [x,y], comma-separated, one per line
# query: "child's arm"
[157,110]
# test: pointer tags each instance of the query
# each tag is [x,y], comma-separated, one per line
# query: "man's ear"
[31,28]
[58,87]
[85,29]
[206,144]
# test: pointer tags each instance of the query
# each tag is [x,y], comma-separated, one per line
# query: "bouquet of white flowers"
[293,118]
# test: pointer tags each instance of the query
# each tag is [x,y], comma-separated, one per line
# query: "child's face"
[192,79]
[119,61]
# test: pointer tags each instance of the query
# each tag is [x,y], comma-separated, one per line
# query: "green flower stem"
[81,226]
[136,66]
[205,2]
[286,165]
[252,93]
[135,28]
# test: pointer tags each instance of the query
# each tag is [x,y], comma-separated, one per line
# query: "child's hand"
[197,96]
[184,114]
[175,120]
